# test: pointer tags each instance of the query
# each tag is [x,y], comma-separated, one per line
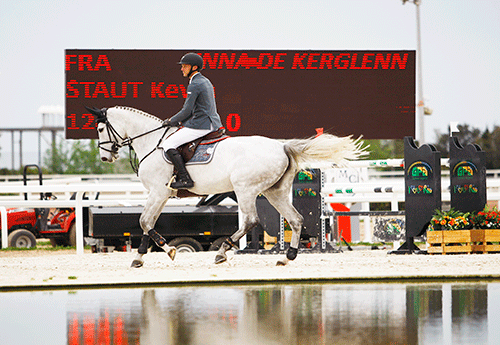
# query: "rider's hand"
[166,123]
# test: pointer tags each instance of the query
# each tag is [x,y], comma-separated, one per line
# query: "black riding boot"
[183,180]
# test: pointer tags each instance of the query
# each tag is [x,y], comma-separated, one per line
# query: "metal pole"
[5,229]
[420,103]
[79,223]
[12,147]
[20,150]
[53,149]
[40,148]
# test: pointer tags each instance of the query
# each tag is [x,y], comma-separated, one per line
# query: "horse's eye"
[100,130]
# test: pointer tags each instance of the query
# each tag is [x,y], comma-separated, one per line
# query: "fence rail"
[125,190]
[78,203]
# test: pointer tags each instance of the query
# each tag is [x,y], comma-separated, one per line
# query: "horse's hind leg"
[249,218]
[279,198]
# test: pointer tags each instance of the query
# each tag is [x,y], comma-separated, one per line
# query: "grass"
[41,245]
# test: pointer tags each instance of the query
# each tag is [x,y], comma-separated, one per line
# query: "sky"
[459,38]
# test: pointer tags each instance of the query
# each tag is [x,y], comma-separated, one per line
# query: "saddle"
[188,150]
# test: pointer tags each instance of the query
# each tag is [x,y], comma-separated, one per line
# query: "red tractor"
[27,224]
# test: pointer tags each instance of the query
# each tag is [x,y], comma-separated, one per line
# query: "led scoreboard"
[279,94]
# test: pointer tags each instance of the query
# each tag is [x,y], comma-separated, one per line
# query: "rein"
[115,145]
[134,163]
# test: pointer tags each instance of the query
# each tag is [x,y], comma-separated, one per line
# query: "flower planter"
[463,241]
[488,242]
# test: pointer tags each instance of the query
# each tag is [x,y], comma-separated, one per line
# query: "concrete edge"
[419,279]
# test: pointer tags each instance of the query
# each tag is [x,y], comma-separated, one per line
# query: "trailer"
[189,228]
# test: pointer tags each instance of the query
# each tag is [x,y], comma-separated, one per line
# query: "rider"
[198,117]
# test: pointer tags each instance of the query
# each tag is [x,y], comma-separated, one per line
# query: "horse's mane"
[140,112]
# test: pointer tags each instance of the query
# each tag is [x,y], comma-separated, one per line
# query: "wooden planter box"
[463,241]
[488,242]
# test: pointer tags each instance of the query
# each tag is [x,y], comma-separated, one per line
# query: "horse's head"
[109,139]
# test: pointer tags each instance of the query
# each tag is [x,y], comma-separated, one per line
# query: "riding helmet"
[192,59]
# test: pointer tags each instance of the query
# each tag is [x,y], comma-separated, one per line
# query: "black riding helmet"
[192,59]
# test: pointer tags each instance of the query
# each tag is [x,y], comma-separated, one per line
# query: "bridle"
[117,141]
[112,133]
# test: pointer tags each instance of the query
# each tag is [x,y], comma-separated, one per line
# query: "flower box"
[489,241]
[463,241]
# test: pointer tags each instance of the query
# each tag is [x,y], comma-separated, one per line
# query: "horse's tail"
[325,148]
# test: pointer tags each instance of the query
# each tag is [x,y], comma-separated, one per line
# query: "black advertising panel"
[423,186]
[467,176]
[307,201]
[278,94]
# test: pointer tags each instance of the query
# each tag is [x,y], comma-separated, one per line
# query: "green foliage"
[84,159]
[488,218]
[81,158]
[450,220]
[384,149]
[489,141]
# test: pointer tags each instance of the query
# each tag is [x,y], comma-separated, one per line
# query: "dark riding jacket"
[199,110]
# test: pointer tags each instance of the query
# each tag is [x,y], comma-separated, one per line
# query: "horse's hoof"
[171,253]
[137,263]
[283,262]
[220,259]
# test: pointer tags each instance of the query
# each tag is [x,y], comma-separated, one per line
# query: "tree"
[84,159]
[488,141]
[384,149]
[466,135]
[56,158]
[81,158]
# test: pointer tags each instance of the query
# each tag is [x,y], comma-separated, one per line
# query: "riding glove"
[166,123]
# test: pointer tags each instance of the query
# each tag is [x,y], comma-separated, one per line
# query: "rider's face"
[185,69]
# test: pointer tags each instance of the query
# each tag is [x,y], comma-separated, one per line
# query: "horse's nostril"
[104,159]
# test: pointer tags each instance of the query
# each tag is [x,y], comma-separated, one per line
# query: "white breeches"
[182,136]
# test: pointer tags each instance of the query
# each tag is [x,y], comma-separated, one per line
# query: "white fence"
[116,190]
[78,203]
[367,185]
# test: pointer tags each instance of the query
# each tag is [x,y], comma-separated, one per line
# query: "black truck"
[189,228]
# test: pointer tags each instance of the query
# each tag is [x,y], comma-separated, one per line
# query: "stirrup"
[182,184]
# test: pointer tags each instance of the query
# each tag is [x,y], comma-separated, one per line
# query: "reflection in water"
[278,314]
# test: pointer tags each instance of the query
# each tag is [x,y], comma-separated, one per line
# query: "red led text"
[87,121]
[242,60]
[349,61]
[86,62]
[94,89]
[163,90]
[233,122]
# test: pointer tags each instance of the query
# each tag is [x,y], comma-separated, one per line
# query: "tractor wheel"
[186,245]
[22,238]
[72,235]
[68,241]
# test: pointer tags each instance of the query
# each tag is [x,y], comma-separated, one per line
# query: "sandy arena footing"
[26,270]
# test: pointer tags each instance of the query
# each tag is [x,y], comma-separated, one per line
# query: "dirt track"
[49,269]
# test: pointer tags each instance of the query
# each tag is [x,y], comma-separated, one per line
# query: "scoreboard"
[279,94]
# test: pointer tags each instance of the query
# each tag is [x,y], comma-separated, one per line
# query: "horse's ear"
[100,115]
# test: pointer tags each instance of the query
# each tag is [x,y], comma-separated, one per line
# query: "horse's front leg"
[149,216]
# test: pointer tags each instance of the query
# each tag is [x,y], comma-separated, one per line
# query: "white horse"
[246,165]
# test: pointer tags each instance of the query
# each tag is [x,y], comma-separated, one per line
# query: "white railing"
[130,193]
[78,203]
[377,186]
